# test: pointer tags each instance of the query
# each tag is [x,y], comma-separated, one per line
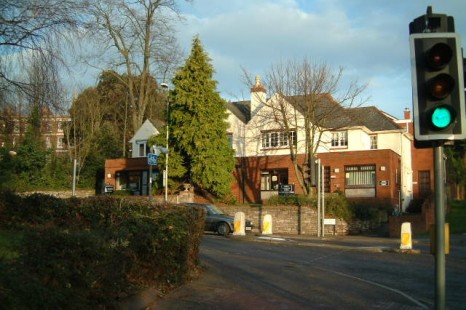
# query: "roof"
[329,112]
[144,132]
[241,109]
[372,118]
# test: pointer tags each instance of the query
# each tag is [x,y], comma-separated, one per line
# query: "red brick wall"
[112,166]
[246,186]
[387,165]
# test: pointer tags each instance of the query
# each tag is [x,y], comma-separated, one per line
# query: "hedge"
[93,252]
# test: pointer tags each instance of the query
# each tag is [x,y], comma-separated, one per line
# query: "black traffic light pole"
[439,173]
[444,25]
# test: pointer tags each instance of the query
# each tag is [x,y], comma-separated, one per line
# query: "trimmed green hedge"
[93,252]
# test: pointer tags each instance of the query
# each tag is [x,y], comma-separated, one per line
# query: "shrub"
[337,205]
[90,252]
[296,200]
[369,211]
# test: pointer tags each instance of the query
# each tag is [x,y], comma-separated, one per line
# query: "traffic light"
[438,87]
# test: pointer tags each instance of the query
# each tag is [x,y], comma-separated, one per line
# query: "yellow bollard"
[239,224]
[267,225]
[406,239]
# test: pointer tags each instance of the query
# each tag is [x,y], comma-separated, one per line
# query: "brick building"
[13,127]
[366,154]
[132,174]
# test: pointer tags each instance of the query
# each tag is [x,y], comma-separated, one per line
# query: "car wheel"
[223,229]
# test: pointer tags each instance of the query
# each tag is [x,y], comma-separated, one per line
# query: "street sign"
[152,159]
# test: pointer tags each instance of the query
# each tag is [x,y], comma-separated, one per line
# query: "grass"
[9,243]
[456,216]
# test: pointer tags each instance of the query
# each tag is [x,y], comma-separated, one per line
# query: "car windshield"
[211,209]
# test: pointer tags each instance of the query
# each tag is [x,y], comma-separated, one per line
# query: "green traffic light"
[442,117]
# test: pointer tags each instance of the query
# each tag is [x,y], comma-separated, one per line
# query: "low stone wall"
[293,220]
[287,219]
[64,194]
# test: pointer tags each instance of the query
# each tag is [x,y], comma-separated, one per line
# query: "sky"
[368,38]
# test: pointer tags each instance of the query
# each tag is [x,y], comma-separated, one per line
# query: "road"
[245,274]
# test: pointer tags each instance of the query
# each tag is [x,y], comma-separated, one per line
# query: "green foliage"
[337,205]
[294,200]
[87,253]
[198,122]
[456,217]
[176,165]
[370,211]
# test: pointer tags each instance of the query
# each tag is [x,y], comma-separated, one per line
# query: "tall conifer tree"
[198,124]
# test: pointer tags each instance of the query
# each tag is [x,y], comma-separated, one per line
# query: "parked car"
[219,222]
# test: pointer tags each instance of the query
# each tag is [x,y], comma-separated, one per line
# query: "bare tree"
[87,117]
[37,28]
[140,32]
[309,99]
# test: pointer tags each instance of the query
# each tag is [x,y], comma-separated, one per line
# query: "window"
[230,140]
[424,183]
[270,179]
[143,149]
[277,139]
[48,143]
[373,142]
[60,142]
[360,181]
[363,176]
[340,139]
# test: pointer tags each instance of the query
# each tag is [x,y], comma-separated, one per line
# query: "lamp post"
[167,89]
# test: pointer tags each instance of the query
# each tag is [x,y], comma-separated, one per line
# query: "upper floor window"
[230,139]
[277,139]
[339,139]
[143,149]
[48,142]
[60,142]
[373,142]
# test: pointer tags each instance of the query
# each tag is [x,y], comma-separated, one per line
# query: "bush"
[90,252]
[295,200]
[337,205]
[369,211]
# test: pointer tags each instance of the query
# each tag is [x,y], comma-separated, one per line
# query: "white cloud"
[368,38]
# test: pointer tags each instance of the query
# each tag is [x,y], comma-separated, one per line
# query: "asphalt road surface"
[245,274]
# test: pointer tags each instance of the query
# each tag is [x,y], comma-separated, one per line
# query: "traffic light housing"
[438,87]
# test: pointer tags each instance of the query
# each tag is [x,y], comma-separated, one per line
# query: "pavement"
[420,245]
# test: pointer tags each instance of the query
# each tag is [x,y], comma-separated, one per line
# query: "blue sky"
[369,38]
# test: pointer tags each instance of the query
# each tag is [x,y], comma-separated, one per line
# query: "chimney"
[258,96]
[407,114]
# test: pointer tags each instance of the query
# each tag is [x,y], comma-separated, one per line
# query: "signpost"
[151,161]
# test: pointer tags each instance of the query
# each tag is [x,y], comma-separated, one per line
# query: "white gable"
[138,142]
[144,132]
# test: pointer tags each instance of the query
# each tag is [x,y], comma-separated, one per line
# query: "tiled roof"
[372,118]
[329,113]
[241,109]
